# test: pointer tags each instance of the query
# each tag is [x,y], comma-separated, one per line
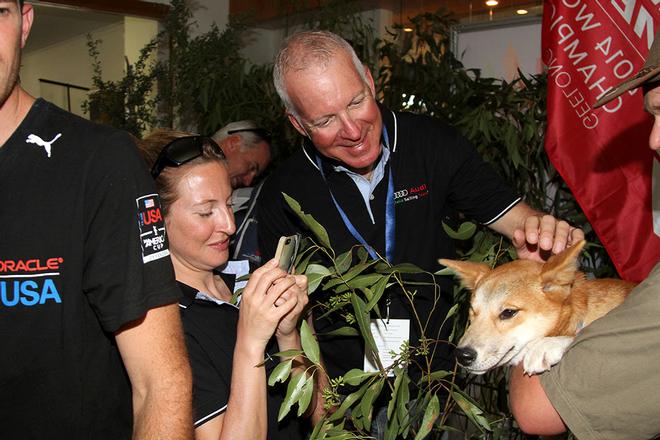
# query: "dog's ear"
[469,273]
[560,270]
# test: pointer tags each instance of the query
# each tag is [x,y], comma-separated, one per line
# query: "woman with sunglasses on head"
[226,344]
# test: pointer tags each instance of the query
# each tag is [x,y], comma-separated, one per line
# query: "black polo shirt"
[436,172]
[210,332]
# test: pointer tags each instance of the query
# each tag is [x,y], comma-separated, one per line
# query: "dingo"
[529,311]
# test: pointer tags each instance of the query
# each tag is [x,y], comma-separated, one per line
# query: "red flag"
[603,154]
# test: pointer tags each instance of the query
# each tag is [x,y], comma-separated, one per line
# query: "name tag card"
[389,335]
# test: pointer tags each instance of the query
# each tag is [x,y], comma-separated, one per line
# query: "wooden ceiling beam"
[138,8]
[263,11]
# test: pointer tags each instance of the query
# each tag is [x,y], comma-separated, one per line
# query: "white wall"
[137,33]
[499,51]
[262,44]
[207,12]
[69,62]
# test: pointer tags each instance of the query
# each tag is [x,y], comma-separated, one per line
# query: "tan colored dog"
[529,311]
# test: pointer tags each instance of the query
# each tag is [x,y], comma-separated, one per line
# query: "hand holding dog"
[543,236]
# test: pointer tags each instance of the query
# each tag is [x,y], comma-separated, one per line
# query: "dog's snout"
[465,356]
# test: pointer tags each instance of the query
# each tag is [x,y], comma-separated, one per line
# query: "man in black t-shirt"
[384,179]
[92,341]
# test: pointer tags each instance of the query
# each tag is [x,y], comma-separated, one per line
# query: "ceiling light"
[492,3]
[407,29]
[522,11]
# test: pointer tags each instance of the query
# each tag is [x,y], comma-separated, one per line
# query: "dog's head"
[511,305]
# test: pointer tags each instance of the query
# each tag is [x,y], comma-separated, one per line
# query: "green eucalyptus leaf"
[280,372]
[362,254]
[454,309]
[356,376]
[403,268]
[342,331]
[313,282]
[367,280]
[438,375]
[398,378]
[348,402]
[402,399]
[352,273]
[293,393]
[291,353]
[282,354]
[309,343]
[430,416]
[343,262]
[392,429]
[368,294]
[364,322]
[302,260]
[338,306]
[471,410]
[378,290]
[320,430]
[369,396]
[315,274]
[306,396]
[317,269]
[342,436]
[465,231]
[319,231]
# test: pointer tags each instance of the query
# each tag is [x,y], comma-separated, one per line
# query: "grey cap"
[239,126]
[649,73]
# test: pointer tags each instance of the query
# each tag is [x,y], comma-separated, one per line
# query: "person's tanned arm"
[154,353]
[530,405]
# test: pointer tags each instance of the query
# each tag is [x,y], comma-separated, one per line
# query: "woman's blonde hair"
[151,146]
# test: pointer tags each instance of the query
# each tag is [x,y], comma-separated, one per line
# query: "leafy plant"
[128,103]
[356,284]
[505,120]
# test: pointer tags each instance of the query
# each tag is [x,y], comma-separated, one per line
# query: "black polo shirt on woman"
[210,332]
[436,172]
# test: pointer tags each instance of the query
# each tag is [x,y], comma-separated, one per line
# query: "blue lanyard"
[389,212]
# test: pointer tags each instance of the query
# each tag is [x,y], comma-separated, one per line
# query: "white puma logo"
[34,139]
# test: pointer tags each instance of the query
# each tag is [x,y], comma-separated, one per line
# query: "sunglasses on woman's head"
[182,150]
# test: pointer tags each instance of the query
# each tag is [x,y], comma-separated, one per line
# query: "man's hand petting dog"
[544,236]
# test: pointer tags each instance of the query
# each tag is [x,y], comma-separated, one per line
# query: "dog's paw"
[544,353]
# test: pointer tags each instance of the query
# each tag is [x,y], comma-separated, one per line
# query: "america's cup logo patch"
[152,228]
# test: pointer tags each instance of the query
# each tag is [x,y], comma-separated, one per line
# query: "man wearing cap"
[92,344]
[247,147]
[606,386]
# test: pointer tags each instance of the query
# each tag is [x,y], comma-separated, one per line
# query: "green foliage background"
[204,82]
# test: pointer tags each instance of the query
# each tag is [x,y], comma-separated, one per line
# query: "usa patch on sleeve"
[152,228]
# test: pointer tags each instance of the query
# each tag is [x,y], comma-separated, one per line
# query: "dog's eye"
[508,314]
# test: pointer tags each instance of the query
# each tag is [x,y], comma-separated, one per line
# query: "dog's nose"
[465,356]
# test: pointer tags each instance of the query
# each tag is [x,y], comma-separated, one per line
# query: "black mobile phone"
[287,250]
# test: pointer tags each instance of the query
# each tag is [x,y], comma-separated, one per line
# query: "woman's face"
[200,221]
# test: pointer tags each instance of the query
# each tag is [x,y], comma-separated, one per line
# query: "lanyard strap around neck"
[389,212]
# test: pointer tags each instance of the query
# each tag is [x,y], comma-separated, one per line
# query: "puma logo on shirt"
[34,139]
